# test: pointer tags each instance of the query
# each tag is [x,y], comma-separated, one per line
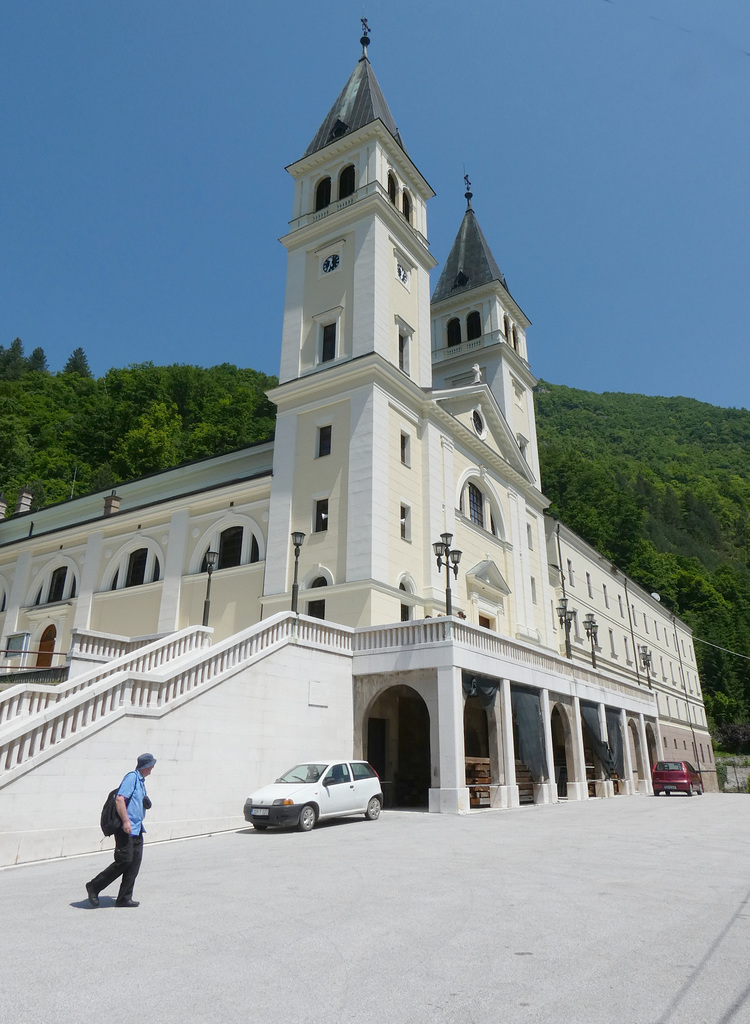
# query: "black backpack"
[110,820]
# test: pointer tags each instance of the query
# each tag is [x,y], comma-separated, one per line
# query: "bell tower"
[479,332]
[355,348]
[358,264]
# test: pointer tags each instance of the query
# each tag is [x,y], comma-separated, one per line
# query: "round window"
[478,421]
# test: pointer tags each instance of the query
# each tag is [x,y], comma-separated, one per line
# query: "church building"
[380,581]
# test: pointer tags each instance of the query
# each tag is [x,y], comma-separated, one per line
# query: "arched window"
[476,505]
[323,194]
[231,546]
[405,608]
[506,327]
[473,326]
[57,585]
[317,609]
[3,599]
[515,337]
[391,188]
[346,182]
[406,205]
[454,332]
[136,568]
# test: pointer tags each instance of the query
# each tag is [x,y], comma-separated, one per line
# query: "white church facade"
[403,419]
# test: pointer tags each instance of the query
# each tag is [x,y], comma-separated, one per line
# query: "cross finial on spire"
[468,193]
[365,40]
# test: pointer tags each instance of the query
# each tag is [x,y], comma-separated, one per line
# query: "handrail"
[142,689]
[27,698]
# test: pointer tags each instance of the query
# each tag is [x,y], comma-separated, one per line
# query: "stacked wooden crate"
[478,781]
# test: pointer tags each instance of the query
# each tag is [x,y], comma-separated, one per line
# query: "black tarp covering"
[527,717]
[479,686]
[590,716]
[615,741]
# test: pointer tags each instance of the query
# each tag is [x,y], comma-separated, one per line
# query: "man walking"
[131,803]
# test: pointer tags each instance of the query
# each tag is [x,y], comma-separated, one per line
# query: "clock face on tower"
[331,262]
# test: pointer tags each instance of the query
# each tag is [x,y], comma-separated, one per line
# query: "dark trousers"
[127,862]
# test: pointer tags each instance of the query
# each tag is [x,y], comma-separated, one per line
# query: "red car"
[676,777]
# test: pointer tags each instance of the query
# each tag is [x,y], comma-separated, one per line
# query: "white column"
[644,782]
[279,551]
[546,792]
[16,600]
[629,783]
[452,796]
[174,566]
[507,794]
[579,789]
[89,580]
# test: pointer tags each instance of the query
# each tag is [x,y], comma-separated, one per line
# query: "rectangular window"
[533,590]
[529,537]
[403,352]
[321,516]
[635,617]
[645,623]
[571,574]
[627,651]
[485,622]
[606,595]
[612,649]
[405,450]
[589,588]
[405,522]
[622,610]
[476,505]
[656,628]
[136,568]
[324,441]
[328,349]
[316,609]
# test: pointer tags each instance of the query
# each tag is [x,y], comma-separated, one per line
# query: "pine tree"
[78,363]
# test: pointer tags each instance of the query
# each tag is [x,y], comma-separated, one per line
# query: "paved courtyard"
[624,911]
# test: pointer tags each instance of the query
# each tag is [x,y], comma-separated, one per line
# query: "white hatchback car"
[315,790]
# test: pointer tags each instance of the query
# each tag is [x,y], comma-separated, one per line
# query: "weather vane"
[468,193]
[365,40]
[365,26]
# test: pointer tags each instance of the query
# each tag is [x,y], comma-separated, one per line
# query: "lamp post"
[212,557]
[448,557]
[297,539]
[566,615]
[646,656]
[592,632]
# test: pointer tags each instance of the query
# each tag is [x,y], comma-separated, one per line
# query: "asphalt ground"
[621,911]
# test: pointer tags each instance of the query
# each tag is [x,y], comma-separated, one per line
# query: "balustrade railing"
[29,698]
[146,684]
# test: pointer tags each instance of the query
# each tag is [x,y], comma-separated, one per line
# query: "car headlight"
[286,802]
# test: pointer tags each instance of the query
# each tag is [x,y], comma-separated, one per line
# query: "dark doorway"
[46,647]
[398,746]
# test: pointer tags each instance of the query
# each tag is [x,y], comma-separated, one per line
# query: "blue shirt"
[133,789]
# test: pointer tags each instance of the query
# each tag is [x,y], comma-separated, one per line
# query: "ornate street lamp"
[297,539]
[592,632]
[212,557]
[566,616]
[449,558]
[646,657]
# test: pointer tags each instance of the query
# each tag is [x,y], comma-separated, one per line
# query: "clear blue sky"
[143,190]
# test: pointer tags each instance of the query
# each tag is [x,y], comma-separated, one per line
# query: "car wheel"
[259,828]
[373,809]
[690,791]
[307,818]
[666,792]
[701,791]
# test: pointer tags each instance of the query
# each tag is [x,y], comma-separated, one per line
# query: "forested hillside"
[659,485]
[662,487]
[68,433]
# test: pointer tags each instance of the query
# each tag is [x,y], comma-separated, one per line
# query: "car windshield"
[303,773]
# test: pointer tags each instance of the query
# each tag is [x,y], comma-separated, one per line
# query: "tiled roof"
[360,102]
[470,263]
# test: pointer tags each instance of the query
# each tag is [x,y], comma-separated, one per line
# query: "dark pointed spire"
[470,262]
[360,102]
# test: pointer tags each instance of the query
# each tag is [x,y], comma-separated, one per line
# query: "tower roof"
[360,102]
[470,263]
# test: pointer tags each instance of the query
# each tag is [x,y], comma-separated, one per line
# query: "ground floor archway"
[397,745]
[46,648]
